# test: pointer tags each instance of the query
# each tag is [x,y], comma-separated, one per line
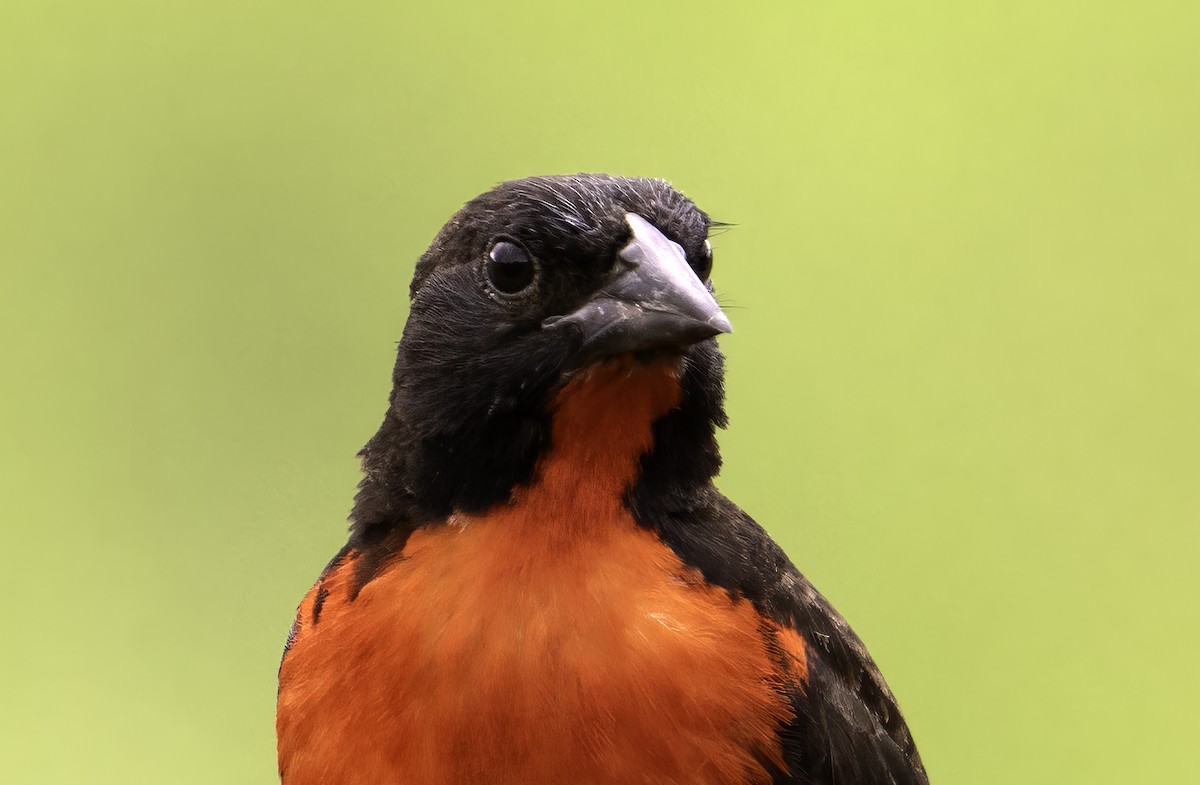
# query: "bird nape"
[542,584]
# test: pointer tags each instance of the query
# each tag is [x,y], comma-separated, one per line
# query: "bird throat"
[601,425]
[575,503]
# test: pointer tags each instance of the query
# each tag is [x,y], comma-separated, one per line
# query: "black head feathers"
[489,341]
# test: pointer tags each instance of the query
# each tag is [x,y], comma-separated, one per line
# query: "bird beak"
[653,301]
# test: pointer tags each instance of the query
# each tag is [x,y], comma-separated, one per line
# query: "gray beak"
[653,301]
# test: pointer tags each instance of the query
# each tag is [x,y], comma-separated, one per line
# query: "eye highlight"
[509,268]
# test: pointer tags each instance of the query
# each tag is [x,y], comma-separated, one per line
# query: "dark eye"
[509,267]
[704,262]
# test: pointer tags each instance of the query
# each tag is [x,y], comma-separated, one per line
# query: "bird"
[542,583]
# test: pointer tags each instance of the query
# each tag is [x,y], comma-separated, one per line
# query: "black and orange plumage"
[542,584]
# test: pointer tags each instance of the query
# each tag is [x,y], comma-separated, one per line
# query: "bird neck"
[601,426]
[623,432]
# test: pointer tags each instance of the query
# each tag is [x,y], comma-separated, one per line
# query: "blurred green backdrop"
[963,385]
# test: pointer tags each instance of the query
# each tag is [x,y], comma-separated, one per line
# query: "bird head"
[529,287]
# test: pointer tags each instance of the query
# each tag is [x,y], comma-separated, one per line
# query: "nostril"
[622,264]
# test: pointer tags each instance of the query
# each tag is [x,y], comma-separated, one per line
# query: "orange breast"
[552,640]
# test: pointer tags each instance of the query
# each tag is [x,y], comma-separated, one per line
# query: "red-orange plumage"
[552,640]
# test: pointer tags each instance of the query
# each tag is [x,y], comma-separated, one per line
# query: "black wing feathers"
[848,729]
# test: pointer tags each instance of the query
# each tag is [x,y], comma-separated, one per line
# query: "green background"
[963,384]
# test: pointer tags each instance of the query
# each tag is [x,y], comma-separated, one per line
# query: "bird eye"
[509,267]
[704,264]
